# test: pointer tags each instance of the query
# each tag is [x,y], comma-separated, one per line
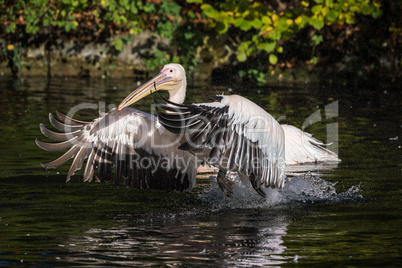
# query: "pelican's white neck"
[178,95]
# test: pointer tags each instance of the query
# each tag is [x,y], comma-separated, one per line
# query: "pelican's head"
[171,78]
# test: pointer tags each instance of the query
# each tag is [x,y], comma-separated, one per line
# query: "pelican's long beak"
[151,86]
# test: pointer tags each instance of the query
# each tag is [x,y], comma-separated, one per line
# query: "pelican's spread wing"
[234,133]
[302,148]
[140,149]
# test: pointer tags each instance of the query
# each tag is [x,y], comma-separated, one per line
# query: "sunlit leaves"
[273,59]
[267,46]
[256,23]
[316,9]
[332,15]
[208,10]
[266,20]
[317,23]
[194,1]
[254,27]
[272,26]
[242,56]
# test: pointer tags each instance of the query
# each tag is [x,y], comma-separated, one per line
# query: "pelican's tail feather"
[301,147]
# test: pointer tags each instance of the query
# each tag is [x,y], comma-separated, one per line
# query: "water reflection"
[241,238]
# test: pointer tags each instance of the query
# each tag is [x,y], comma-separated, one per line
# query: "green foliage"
[263,27]
[261,33]
[114,20]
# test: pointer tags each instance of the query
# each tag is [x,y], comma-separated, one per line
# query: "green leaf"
[125,4]
[355,8]
[243,46]
[189,35]
[282,24]
[350,18]
[332,15]
[241,73]
[250,51]
[266,20]
[222,27]
[273,59]
[118,44]
[256,23]
[170,8]
[376,14]
[268,47]
[122,20]
[238,22]
[317,39]
[316,8]
[134,8]
[67,27]
[314,60]
[316,23]
[242,57]
[275,34]
[11,28]
[245,25]
[149,7]
[367,9]
[208,10]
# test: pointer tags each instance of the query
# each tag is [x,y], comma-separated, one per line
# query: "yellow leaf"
[275,19]
[324,11]
[289,22]
[10,47]
[75,23]
[304,3]
[298,20]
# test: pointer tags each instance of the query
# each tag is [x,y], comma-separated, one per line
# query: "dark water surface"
[47,222]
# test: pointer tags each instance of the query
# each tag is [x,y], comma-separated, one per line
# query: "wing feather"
[63,127]
[114,146]
[247,138]
[57,136]
[71,121]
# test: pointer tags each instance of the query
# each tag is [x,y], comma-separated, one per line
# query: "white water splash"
[300,189]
